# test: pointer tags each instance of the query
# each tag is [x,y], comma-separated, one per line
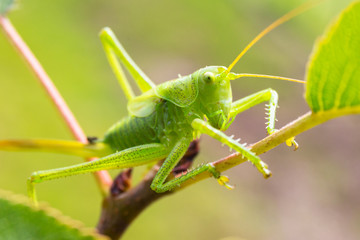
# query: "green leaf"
[5,5]
[333,78]
[20,220]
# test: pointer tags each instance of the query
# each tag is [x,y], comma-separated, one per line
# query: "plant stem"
[294,128]
[102,177]
[120,208]
[119,211]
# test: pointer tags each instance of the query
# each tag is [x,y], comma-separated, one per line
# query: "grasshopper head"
[215,95]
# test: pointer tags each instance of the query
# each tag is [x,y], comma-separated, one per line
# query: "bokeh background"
[314,192]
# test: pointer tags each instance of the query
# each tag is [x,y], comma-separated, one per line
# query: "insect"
[163,120]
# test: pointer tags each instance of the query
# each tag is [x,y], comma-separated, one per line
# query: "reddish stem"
[103,178]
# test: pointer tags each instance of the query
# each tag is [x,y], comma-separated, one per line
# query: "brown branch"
[120,210]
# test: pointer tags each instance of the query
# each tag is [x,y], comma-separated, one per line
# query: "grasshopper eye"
[209,77]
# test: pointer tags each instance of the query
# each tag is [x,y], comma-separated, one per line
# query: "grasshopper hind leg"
[135,156]
[114,51]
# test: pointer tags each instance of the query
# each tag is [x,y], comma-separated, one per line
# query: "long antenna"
[302,8]
[235,76]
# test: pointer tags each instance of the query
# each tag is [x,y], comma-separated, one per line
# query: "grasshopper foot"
[222,179]
[264,169]
[31,191]
[291,142]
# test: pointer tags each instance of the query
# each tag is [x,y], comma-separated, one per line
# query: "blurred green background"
[314,192]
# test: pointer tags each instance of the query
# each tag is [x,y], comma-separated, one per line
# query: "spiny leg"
[127,158]
[255,99]
[114,49]
[159,185]
[206,128]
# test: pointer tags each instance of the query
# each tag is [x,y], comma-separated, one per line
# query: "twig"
[302,124]
[119,211]
[120,208]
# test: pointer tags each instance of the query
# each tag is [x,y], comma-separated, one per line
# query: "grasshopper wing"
[144,104]
[182,91]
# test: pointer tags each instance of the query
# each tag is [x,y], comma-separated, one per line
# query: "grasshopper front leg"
[206,128]
[255,99]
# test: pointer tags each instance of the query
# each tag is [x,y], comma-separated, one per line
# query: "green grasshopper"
[163,121]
